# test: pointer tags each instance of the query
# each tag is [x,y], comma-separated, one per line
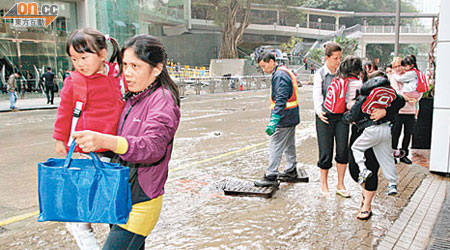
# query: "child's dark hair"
[378,73]
[92,41]
[150,50]
[350,66]
[410,60]
[331,47]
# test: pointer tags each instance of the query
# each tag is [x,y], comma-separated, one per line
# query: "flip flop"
[344,193]
[367,215]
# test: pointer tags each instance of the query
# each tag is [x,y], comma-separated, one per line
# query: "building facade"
[26,48]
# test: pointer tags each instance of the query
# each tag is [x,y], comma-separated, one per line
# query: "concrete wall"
[440,139]
[192,49]
[220,67]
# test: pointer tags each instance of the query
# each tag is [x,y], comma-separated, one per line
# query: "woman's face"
[334,60]
[138,74]
[397,67]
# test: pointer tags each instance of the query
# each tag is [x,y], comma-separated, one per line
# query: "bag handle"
[95,159]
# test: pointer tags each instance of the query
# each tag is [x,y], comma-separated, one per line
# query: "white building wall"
[440,141]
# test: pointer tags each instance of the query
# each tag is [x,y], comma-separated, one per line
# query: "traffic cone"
[241,87]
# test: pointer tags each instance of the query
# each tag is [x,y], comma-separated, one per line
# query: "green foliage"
[291,43]
[349,46]
[385,52]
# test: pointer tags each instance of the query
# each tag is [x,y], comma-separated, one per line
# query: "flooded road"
[221,137]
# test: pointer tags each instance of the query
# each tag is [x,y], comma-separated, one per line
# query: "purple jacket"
[149,128]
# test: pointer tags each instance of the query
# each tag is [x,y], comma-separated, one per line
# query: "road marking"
[28,215]
[218,157]
[18,218]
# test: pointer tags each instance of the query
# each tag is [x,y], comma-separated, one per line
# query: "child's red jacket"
[103,105]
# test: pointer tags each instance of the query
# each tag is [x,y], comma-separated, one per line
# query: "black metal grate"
[247,188]
[439,243]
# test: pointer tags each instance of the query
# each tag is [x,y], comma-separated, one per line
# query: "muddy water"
[221,136]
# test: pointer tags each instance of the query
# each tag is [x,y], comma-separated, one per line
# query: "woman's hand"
[378,114]
[323,117]
[90,141]
[60,148]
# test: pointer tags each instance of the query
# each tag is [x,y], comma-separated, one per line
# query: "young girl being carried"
[414,81]
[94,89]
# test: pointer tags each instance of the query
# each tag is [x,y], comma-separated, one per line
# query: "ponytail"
[165,80]
[116,54]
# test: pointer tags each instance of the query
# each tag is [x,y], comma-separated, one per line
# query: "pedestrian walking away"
[94,90]
[284,118]
[49,81]
[144,141]
[329,127]
[11,88]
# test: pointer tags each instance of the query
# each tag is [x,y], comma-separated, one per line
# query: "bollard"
[212,86]
[197,86]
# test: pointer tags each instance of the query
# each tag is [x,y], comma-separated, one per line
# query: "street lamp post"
[320,23]
[275,32]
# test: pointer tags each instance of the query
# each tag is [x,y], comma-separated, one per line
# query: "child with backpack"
[376,93]
[413,79]
[90,100]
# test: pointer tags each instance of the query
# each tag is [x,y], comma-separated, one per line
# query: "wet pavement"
[221,136]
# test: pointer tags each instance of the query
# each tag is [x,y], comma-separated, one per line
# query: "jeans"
[120,238]
[12,99]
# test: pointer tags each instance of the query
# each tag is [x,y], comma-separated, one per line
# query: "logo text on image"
[32,14]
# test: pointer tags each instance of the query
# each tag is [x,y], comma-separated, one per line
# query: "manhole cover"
[247,188]
[440,243]
[302,176]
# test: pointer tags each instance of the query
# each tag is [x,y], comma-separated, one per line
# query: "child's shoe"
[363,175]
[84,236]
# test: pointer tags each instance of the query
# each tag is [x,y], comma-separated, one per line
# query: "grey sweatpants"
[379,138]
[283,140]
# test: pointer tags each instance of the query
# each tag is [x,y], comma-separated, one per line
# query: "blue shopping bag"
[83,190]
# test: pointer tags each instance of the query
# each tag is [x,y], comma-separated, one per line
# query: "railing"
[322,26]
[391,29]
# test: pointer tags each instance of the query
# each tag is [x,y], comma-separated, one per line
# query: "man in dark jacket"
[49,79]
[284,117]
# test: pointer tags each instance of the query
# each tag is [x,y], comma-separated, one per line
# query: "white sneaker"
[83,234]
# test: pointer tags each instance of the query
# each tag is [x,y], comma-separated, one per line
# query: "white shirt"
[317,89]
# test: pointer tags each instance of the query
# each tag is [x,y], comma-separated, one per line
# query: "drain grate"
[247,188]
[439,243]
[302,176]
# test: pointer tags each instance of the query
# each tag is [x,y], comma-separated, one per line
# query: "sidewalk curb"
[28,109]
[412,230]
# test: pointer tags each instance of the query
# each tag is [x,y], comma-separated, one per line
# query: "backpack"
[335,99]
[422,84]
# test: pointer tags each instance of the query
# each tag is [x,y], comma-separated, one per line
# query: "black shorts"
[328,134]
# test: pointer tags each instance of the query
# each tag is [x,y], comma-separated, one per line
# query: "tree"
[227,13]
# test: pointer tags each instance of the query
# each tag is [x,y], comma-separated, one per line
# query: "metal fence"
[209,85]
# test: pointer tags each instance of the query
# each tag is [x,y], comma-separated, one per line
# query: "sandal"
[344,193]
[364,215]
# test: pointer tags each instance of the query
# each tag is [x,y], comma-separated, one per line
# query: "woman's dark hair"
[410,60]
[350,66]
[92,41]
[377,74]
[150,50]
[331,47]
